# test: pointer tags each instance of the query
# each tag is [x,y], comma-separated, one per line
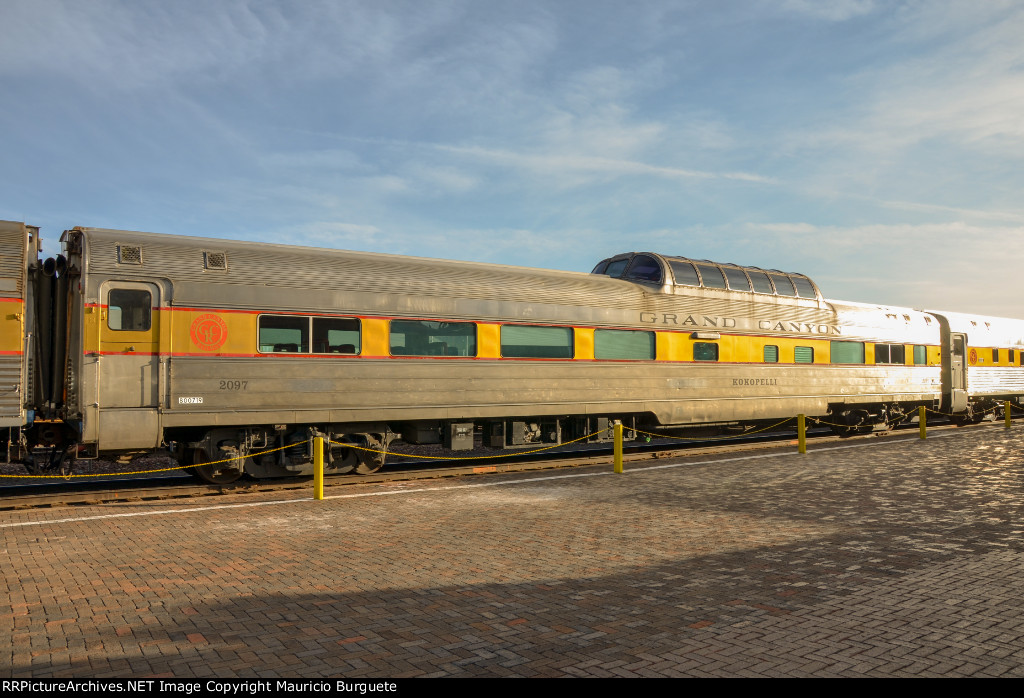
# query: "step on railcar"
[238,354]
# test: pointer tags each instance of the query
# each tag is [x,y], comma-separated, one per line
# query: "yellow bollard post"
[1006,411]
[922,422]
[801,433]
[618,447]
[318,467]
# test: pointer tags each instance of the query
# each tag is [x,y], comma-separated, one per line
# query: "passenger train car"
[220,350]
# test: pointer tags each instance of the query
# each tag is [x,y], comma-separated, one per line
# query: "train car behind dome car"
[241,352]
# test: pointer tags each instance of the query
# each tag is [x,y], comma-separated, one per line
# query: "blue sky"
[876,146]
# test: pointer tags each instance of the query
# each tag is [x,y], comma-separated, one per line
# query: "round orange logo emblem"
[973,356]
[209,332]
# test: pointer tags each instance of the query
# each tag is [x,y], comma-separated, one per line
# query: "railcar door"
[958,371]
[129,373]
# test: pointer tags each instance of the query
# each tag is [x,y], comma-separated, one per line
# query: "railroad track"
[178,485]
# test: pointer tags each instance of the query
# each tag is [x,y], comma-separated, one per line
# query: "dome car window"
[804,288]
[601,266]
[645,268]
[615,268]
[712,276]
[684,272]
[737,279]
[783,285]
[760,281]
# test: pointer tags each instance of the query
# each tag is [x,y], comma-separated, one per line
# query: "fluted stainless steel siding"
[13,249]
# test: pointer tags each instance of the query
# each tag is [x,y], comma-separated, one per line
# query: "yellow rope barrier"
[500,455]
[458,458]
[146,472]
[714,438]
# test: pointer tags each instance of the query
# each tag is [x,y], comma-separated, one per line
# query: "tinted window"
[524,341]
[335,335]
[705,351]
[601,266]
[890,354]
[920,355]
[685,273]
[129,310]
[847,352]
[737,279]
[712,276]
[803,286]
[284,333]
[645,268]
[760,281]
[432,338]
[771,354]
[783,285]
[624,344]
[803,355]
[616,268]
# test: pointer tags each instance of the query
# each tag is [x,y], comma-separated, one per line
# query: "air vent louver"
[215,260]
[129,254]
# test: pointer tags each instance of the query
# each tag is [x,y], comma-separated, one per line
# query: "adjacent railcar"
[220,350]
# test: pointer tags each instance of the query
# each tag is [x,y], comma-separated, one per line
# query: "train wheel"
[343,460]
[369,461]
[216,473]
[969,417]
[845,431]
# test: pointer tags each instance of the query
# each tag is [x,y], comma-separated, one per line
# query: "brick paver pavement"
[885,557]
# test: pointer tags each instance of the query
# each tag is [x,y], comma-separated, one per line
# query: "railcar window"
[705,351]
[760,281]
[685,273]
[783,285]
[771,354]
[624,344]
[645,268]
[601,266]
[284,333]
[737,279]
[432,338]
[995,356]
[129,310]
[920,355]
[336,335]
[1012,357]
[712,276]
[890,354]
[536,342]
[803,355]
[804,288]
[615,269]
[846,352]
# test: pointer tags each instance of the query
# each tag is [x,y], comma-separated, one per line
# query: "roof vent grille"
[215,260]
[129,254]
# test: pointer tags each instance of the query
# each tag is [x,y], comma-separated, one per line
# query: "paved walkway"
[883,557]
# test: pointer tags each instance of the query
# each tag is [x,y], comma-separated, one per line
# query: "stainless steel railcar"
[217,349]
